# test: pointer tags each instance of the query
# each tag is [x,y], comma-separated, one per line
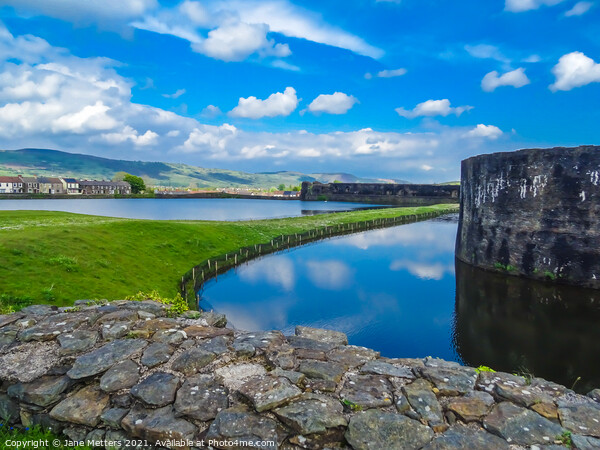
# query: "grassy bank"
[55,257]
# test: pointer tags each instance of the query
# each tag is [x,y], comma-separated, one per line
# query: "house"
[11,185]
[94,187]
[51,185]
[31,185]
[72,186]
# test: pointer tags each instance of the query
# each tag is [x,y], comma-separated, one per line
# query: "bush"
[177,304]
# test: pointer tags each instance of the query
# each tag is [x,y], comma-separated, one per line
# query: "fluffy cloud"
[432,108]
[515,78]
[277,104]
[387,73]
[178,93]
[131,135]
[579,9]
[484,131]
[486,51]
[527,5]
[574,70]
[336,103]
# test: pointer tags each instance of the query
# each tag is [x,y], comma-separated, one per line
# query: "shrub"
[177,305]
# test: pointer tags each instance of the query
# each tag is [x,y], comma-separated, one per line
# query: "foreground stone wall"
[534,213]
[383,193]
[110,373]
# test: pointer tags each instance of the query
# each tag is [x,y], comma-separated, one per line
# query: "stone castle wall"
[534,213]
[112,373]
[382,193]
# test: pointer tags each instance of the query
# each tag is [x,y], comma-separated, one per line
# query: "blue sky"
[395,89]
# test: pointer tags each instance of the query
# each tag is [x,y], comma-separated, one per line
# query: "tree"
[137,184]
[281,187]
[119,176]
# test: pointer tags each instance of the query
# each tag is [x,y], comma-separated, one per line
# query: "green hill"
[42,162]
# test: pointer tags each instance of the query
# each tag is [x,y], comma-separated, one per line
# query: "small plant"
[525,373]
[322,198]
[484,369]
[575,382]
[565,439]
[177,305]
[10,304]
[549,275]
[505,267]
[351,405]
[48,294]
[69,264]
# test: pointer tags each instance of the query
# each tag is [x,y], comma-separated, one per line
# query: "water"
[183,209]
[400,291]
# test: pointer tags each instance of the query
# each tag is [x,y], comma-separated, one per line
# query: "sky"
[398,89]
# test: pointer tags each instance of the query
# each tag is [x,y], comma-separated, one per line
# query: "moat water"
[183,209]
[400,291]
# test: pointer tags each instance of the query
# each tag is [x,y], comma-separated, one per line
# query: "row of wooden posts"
[210,268]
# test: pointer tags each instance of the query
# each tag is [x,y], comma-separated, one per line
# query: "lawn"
[57,258]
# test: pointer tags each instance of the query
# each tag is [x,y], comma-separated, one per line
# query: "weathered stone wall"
[534,213]
[120,371]
[387,194]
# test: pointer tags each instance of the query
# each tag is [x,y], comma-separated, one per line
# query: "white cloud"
[129,134]
[277,271]
[423,270]
[486,51]
[281,64]
[209,139]
[527,5]
[211,111]
[485,131]
[579,9]
[515,78]
[178,93]
[387,73]
[336,103]
[277,104]
[432,108]
[574,70]
[332,275]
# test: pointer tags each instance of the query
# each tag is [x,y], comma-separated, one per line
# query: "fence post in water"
[209,264]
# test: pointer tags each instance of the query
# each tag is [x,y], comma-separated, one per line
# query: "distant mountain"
[43,162]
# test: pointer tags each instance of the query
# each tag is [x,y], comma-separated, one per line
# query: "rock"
[383,368]
[261,339]
[9,409]
[157,390]
[103,358]
[580,418]
[192,360]
[266,392]
[52,326]
[42,420]
[520,426]
[524,396]
[7,319]
[235,375]
[594,394]
[42,392]
[84,407]
[313,385]
[547,410]
[121,376]
[115,330]
[472,407]
[367,391]
[158,324]
[77,341]
[459,438]
[75,434]
[121,400]
[237,424]
[214,319]
[322,370]
[351,355]
[312,414]
[424,402]
[8,335]
[295,377]
[217,345]
[94,437]
[451,380]
[156,353]
[112,417]
[116,440]
[376,430]
[402,405]
[282,356]
[487,381]
[148,306]
[243,349]
[39,310]
[121,315]
[157,424]
[201,397]
[28,362]
[299,342]
[585,442]
[336,338]
[171,336]
[197,331]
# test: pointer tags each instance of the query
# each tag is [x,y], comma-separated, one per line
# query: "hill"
[43,162]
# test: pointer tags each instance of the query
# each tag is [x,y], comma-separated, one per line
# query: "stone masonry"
[124,370]
[533,213]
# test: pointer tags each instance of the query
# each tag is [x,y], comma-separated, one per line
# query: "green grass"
[57,258]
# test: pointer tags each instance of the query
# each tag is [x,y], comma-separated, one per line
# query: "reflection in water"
[389,289]
[513,324]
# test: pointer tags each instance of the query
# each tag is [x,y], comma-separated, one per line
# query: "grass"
[57,257]
[33,438]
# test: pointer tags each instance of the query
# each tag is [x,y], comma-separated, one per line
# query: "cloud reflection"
[276,270]
[423,270]
[332,275]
